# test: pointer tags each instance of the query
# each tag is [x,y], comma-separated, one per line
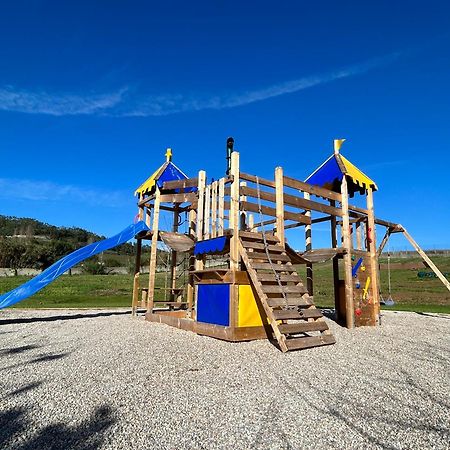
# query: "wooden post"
[279,198]
[372,239]
[243,215]
[234,212]
[214,209]
[358,235]
[349,307]
[335,261]
[200,214]
[137,269]
[220,225]
[173,259]
[308,247]
[148,217]
[190,287]
[206,231]
[153,253]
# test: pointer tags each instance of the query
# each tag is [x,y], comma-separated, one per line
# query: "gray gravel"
[96,379]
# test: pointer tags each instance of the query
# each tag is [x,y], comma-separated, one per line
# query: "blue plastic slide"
[64,264]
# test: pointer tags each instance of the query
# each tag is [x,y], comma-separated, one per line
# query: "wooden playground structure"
[241,279]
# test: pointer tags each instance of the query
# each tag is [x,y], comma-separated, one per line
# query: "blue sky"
[91,94]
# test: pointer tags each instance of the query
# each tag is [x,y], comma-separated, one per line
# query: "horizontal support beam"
[180,184]
[268,211]
[314,190]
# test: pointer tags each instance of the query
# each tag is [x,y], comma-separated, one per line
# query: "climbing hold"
[363,268]
[357,284]
[358,311]
[353,257]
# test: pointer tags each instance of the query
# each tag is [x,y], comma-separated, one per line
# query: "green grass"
[410,292]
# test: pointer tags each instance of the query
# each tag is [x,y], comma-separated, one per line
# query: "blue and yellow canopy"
[329,175]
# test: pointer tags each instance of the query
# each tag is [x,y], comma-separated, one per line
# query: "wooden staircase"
[296,322]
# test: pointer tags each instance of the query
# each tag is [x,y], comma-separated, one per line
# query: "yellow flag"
[338,144]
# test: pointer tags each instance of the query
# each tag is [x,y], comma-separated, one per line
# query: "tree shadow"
[39,359]
[17,350]
[19,320]
[26,388]
[88,435]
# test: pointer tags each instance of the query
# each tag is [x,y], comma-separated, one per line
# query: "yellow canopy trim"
[148,184]
[357,176]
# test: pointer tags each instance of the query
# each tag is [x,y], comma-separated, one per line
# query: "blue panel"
[209,246]
[58,268]
[213,304]
[327,176]
[356,267]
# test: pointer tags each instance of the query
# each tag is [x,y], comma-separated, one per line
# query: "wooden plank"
[137,269]
[349,305]
[269,211]
[426,258]
[308,248]
[207,217]
[261,181]
[289,301]
[275,289]
[279,209]
[303,327]
[214,209]
[276,267]
[282,277]
[260,246]
[273,256]
[383,242]
[220,224]
[153,252]
[200,214]
[180,184]
[234,212]
[286,314]
[310,341]
[314,190]
[178,198]
[247,235]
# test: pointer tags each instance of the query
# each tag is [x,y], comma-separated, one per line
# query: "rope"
[261,218]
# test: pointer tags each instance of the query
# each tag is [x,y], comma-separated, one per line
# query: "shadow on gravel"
[39,359]
[26,388]
[17,350]
[61,317]
[88,435]
[434,315]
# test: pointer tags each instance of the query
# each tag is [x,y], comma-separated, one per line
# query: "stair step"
[275,289]
[291,301]
[260,246]
[275,257]
[284,314]
[265,277]
[303,327]
[272,267]
[309,341]
[249,236]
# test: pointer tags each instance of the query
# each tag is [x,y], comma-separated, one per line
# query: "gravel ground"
[96,379]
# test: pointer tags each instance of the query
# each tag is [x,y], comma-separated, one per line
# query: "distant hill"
[26,242]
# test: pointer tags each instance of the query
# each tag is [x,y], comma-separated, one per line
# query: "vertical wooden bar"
[372,241]
[137,270]
[279,197]
[220,224]
[308,247]
[153,252]
[207,232]
[173,258]
[251,222]
[214,209]
[234,212]
[200,214]
[335,261]
[358,236]
[349,308]
[243,214]
[190,287]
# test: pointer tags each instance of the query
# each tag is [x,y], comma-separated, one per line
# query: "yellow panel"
[357,176]
[248,312]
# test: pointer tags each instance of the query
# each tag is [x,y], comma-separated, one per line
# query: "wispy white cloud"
[131,103]
[34,190]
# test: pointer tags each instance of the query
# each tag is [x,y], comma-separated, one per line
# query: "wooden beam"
[179,198]
[425,257]
[220,224]
[349,305]
[384,242]
[261,181]
[308,248]
[214,209]
[373,257]
[199,264]
[137,270]
[268,211]
[180,184]
[314,190]
[153,253]
[279,205]
[234,212]
[207,217]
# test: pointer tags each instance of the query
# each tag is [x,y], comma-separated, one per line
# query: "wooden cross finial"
[169,154]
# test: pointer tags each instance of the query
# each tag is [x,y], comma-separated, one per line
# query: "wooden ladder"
[295,321]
